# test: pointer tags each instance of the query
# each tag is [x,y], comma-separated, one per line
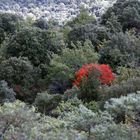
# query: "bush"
[95,33]
[63,66]
[9,24]
[121,50]
[102,72]
[113,25]
[124,74]
[41,23]
[127,13]
[82,19]
[71,93]
[46,102]
[6,94]
[89,87]
[89,79]
[124,109]
[16,70]
[21,76]
[118,90]
[19,121]
[66,106]
[34,43]
[115,132]
[93,105]
[84,119]
[99,125]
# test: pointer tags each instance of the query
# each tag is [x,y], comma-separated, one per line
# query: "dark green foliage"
[41,23]
[127,13]
[9,23]
[121,50]
[16,70]
[59,85]
[6,94]
[122,89]
[89,87]
[2,35]
[63,67]
[113,25]
[21,76]
[65,30]
[34,43]
[34,59]
[95,33]
[82,19]
[46,102]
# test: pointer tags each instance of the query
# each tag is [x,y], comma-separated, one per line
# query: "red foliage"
[105,73]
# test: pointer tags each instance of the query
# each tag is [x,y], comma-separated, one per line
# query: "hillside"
[58,10]
[77,80]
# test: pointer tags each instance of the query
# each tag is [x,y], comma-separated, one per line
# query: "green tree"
[121,50]
[20,74]
[34,43]
[82,18]
[41,23]
[89,86]
[46,102]
[9,24]
[127,13]
[96,34]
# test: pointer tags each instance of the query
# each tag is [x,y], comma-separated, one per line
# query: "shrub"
[89,79]
[21,76]
[41,23]
[9,24]
[124,108]
[95,33]
[102,72]
[113,25]
[46,102]
[93,105]
[127,13]
[63,66]
[19,121]
[6,94]
[121,50]
[115,132]
[34,43]
[89,87]
[66,106]
[84,119]
[15,70]
[82,19]
[117,90]
[124,74]
[99,125]
[71,93]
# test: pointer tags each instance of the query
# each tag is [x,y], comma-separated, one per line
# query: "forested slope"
[77,81]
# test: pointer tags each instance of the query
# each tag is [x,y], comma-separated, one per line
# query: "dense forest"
[76,82]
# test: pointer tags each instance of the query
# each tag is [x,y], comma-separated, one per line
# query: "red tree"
[105,73]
